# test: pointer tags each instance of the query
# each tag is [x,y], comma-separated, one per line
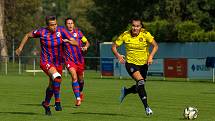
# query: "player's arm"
[117,54]
[154,50]
[71,41]
[23,42]
[87,43]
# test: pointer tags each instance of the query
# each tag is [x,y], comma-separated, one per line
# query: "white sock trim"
[55,75]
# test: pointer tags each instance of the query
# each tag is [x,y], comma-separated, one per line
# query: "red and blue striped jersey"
[74,53]
[52,44]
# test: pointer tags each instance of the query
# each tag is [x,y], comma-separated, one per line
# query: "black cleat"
[58,106]
[123,94]
[47,109]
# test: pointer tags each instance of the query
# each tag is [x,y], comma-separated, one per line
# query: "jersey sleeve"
[80,35]
[119,41]
[149,37]
[36,33]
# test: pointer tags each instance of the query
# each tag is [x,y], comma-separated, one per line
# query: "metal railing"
[31,64]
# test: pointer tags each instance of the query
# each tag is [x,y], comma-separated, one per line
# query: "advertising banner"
[156,68]
[175,67]
[106,66]
[197,69]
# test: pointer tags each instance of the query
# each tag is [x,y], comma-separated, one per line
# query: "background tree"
[3,46]
[102,20]
[21,16]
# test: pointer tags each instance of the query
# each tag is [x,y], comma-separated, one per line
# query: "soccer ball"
[190,113]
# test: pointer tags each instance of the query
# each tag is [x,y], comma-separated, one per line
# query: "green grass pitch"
[21,96]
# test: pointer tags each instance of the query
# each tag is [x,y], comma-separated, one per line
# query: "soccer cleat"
[58,106]
[78,103]
[47,109]
[82,96]
[149,111]
[123,94]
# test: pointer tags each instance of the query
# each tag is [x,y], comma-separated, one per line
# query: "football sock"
[81,84]
[132,89]
[56,88]
[76,90]
[142,92]
[49,94]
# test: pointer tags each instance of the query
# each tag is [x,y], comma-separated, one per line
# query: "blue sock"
[75,87]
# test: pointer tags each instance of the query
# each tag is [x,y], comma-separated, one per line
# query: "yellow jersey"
[137,48]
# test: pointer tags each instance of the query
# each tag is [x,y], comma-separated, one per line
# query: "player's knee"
[56,75]
[81,81]
[140,82]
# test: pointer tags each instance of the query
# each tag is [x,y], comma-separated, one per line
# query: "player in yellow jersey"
[137,42]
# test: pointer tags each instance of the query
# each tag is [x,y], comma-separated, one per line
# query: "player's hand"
[65,40]
[150,60]
[18,51]
[121,59]
[84,49]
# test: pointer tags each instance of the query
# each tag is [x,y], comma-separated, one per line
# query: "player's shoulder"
[61,27]
[77,30]
[125,33]
[144,31]
[38,30]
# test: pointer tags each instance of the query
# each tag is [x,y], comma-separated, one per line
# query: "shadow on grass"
[19,113]
[213,93]
[97,113]
[31,104]
[37,105]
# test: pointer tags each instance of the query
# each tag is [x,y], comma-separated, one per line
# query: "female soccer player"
[51,40]
[74,59]
[137,42]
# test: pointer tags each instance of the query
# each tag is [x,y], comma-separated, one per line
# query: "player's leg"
[75,86]
[48,96]
[49,93]
[80,74]
[141,90]
[131,68]
[141,87]
[56,82]
[143,71]
[72,68]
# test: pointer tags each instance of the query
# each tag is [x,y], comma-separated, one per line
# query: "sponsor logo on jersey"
[75,34]
[35,31]
[132,69]
[58,34]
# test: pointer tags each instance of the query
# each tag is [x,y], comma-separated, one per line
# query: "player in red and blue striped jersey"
[74,59]
[51,57]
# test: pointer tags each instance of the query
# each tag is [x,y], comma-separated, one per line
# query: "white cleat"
[149,111]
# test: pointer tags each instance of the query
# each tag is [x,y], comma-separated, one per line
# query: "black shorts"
[131,68]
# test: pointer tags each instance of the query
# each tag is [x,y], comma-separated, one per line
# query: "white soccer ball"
[190,113]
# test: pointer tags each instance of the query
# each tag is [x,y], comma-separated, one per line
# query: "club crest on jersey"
[35,31]
[75,34]
[132,69]
[58,34]
[141,39]
[47,66]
